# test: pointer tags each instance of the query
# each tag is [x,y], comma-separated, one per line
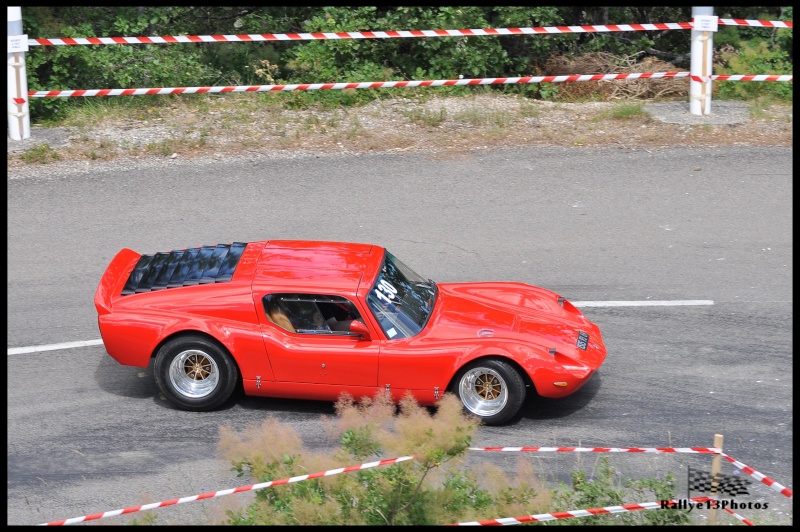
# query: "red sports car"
[312,320]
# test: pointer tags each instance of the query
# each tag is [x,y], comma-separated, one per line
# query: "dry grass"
[605,63]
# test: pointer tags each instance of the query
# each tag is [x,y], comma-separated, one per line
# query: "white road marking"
[52,347]
[649,303]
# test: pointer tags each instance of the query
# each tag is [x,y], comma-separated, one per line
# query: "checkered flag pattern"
[729,484]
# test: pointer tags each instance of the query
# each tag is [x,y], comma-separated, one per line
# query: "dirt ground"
[235,126]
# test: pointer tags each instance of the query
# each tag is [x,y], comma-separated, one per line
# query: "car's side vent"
[184,267]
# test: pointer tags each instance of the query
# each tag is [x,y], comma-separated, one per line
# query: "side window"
[311,313]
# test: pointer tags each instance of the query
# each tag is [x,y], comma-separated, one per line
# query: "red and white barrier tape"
[739,517]
[511,520]
[354,85]
[757,23]
[254,37]
[701,450]
[783,490]
[394,84]
[742,77]
[221,493]
[360,34]
[605,510]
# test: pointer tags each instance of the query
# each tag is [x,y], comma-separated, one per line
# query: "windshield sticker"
[391,333]
[385,291]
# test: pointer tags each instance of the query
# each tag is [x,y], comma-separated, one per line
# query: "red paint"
[524,323]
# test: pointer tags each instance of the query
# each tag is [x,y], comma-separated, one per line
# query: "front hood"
[513,310]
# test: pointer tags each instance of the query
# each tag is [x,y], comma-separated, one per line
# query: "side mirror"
[358,327]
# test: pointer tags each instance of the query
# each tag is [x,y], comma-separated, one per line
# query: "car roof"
[316,266]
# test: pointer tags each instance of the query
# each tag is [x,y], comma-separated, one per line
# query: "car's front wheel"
[491,390]
[194,373]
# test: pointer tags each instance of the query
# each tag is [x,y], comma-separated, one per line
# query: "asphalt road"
[86,435]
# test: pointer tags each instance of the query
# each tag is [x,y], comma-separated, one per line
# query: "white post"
[704,25]
[19,120]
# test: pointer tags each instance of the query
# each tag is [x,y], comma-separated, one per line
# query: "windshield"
[401,300]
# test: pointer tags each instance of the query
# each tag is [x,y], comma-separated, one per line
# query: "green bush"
[605,487]
[111,67]
[438,487]
[756,57]
[761,50]
[434,488]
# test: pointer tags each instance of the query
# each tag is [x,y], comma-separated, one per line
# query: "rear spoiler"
[115,275]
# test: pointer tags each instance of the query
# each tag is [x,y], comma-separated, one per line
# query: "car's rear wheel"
[194,373]
[491,390]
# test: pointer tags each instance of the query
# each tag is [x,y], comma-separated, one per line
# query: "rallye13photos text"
[312,320]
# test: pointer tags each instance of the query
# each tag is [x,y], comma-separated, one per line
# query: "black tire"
[194,373]
[490,390]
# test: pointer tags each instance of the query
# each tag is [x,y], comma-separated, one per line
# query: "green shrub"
[435,488]
[755,57]
[605,487]
[761,50]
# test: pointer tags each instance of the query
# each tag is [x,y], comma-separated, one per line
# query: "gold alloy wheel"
[197,367]
[194,373]
[488,387]
[483,391]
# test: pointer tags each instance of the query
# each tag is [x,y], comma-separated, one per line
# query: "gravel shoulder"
[228,127]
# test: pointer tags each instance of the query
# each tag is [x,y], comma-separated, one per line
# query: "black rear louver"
[184,267]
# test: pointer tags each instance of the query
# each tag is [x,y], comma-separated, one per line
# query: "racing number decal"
[385,291]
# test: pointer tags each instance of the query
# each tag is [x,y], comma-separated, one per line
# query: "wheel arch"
[188,333]
[508,360]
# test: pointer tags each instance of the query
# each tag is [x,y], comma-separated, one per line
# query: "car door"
[318,356]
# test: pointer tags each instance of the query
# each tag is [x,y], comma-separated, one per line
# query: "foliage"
[756,57]
[147,519]
[427,118]
[434,488]
[605,487]
[626,111]
[108,66]
[41,154]
[293,61]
